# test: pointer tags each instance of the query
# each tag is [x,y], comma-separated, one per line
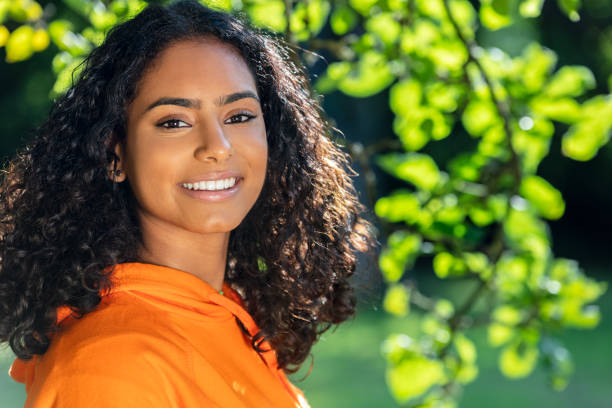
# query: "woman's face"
[196,115]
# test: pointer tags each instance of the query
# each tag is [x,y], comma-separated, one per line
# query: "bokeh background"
[349,367]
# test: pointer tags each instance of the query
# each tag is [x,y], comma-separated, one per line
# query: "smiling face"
[196,113]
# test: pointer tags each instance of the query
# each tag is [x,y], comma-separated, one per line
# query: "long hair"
[62,220]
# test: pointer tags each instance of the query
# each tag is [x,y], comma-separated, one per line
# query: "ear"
[116,171]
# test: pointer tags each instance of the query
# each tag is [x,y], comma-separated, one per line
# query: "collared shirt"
[162,337]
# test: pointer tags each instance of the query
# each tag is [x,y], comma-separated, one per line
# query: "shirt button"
[238,387]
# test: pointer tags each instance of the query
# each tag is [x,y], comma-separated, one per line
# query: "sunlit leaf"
[416,168]
[491,18]
[448,55]
[564,110]
[399,206]
[570,7]
[401,252]
[65,77]
[518,359]
[538,63]
[544,197]
[218,4]
[583,140]
[405,96]
[570,81]
[414,376]
[369,77]
[499,334]
[465,348]
[531,8]
[343,19]
[19,45]
[384,26]
[397,300]
[479,116]
[269,14]
[446,265]
[363,6]
[40,39]
[4,35]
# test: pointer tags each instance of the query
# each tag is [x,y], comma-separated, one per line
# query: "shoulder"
[117,355]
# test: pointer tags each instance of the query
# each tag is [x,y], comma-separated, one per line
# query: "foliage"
[483,217]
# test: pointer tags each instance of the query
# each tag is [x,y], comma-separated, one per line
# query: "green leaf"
[448,55]
[506,314]
[64,78]
[4,35]
[402,250]
[584,139]
[478,116]
[416,168]
[432,8]
[364,7]
[413,376]
[518,359]
[538,63]
[444,308]
[565,110]
[446,265]
[531,8]
[520,224]
[570,81]
[19,44]
[40,39]
[405,96]
[384,26]
[308,18]
[401,205]
[570,7]
[101,18]
[61,34]
[225,5]
[465,348]
[545,198]
[369,77]
[397,300]
[82,7]
[343,19]
[398,346]
[442,96]
[269,14]
[499,334]
[491,18]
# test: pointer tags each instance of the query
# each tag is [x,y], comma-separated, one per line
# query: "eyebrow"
[197,103]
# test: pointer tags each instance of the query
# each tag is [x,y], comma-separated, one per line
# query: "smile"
[212,185]
[213,194]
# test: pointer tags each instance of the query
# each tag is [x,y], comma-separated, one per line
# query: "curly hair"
[63,221]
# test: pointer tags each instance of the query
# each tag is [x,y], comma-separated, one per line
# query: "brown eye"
[240,118]
[171,124]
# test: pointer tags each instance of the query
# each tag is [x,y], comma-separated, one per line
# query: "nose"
[213,144]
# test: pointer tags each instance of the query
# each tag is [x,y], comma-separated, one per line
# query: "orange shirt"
[161,338]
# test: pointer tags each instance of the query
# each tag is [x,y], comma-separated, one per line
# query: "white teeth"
[211,184]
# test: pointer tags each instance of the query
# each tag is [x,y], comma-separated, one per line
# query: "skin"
[180,231]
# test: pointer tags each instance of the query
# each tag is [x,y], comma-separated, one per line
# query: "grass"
[349,370]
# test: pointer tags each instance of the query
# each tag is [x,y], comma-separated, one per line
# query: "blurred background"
[349,366]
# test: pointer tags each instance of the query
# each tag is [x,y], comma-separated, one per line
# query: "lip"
[217,195]
[215,175]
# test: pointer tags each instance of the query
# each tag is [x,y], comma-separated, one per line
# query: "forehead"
[206,66]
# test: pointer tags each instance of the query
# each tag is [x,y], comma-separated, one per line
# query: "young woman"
[181,229]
